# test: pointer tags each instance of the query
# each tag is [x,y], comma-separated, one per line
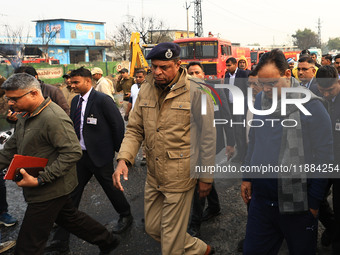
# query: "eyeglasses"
[15,99]
[268,83]
[304,69]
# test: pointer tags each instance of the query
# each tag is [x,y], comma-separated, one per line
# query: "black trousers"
[326,215]
[3,200]
[85,170]
[198,205]
[38,222]
[336,208]
[240,134]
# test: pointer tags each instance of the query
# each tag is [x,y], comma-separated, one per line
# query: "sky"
[266,22]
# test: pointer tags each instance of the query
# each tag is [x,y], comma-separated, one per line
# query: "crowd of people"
[81,132]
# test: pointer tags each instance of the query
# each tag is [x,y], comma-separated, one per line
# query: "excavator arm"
[137,57]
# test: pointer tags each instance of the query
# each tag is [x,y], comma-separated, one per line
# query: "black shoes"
[326,238]
[108,250]
[57,247]
[143,161]
[209,214]
[123,224]
[240,245]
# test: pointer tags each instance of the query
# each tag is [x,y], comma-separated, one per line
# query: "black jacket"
[334,112]
[223,130]
[241,79]
[105,137]
[314,88]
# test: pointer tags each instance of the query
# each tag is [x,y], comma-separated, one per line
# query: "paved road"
[223,232]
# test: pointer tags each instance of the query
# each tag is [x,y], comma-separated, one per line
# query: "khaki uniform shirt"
[176,136]
[105,86]
[125,85]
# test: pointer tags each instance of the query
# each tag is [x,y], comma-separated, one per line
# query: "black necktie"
[77,117]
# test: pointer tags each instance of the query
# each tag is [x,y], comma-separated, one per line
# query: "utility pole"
[319,31]
[198,19]
[187,7]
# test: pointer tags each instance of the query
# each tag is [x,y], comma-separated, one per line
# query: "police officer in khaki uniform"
[68,92]
[167,116]
[125,83]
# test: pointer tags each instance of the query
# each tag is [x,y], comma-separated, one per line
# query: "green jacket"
[47,133]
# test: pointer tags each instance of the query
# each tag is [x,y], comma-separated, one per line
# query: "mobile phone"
[12,110]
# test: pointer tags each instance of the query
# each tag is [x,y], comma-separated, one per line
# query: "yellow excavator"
[137,56]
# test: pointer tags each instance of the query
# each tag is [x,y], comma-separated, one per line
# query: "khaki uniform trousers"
[166,220]
[125,106]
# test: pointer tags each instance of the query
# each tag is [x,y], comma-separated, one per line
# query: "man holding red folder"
[44,130]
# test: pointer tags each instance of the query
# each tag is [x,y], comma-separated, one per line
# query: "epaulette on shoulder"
[195,81]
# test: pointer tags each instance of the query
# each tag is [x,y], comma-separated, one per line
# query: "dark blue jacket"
[104,138]
[265,143]
[334,112]
[314,88]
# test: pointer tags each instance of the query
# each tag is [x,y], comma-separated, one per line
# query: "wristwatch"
[40,181]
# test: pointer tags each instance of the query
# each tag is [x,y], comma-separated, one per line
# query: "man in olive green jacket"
[44,130]
[167,116]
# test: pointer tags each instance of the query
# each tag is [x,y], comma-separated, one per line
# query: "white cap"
[96,70]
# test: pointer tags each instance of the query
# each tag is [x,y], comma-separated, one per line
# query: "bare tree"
[145,25]
[47,33]
[120,41]
[121,38]
[17,39]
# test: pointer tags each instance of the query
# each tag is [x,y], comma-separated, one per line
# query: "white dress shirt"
[232,82]
[83,107]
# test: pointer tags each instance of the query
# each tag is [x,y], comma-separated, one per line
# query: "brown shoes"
[210,250]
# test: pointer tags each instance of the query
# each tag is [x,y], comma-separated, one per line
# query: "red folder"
[20,161]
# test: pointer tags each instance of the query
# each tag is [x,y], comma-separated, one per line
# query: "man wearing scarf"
[285,205]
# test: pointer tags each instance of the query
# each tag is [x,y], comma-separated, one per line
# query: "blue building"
[69,41]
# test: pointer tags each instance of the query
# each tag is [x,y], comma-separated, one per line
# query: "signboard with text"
[50,73]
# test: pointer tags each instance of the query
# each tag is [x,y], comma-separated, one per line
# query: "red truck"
[212,53]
